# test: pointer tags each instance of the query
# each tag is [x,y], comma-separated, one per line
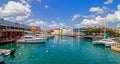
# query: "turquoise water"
[62,50]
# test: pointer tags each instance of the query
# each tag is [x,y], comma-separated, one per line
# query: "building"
[48,31]
[12,30]
[35,29]
[67,31]
[56,31]
[79,31]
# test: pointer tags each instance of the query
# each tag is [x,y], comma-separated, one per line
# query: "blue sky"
[61,13]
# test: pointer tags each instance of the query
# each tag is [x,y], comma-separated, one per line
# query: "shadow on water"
[12,56]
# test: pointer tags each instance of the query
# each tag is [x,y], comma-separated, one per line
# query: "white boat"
[50,36]
[106,42]
[110,43]
[5,52]
[31,39]
[103,41]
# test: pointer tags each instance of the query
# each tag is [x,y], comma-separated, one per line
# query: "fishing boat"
[31,39]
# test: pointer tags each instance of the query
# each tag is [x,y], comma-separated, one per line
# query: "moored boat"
[31,39]
[106,42]
[6,52]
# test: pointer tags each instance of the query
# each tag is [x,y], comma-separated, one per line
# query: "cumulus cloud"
[99,20]
[46,25]
[97,10]
[39,1]
[76,16]
[89,16]
[46,6]
[15,11]
[108,2]
[118,25]
[115,17]
[93,22]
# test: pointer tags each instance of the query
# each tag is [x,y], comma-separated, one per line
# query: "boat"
[50,36]
[31,39]
[106,42]
[100,41]
[6,52]
[110,43]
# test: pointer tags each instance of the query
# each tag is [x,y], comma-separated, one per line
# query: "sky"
[50,14]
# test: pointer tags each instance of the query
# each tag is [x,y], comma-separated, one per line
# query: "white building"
[67,31]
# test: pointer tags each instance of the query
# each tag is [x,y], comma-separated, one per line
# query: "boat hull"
[37,41]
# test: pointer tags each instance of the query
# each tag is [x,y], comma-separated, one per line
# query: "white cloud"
[118,7]
[89,16]
[45,25]
[115,17]
[98,20]
[46,6]
[97,10]
[39,1]
[76,16]
[15,11]
[118,25]
[93,22]
[108,2]
[57,18]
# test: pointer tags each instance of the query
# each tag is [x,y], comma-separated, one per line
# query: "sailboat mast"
[105,28]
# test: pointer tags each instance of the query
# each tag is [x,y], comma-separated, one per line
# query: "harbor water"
[61,50]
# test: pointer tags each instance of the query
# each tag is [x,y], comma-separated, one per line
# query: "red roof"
[57,28]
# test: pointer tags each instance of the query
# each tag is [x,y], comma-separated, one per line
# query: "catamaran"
[107,42]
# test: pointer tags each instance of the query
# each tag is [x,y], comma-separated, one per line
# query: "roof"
[13,24]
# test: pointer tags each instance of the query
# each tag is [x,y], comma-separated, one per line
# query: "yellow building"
[35,29]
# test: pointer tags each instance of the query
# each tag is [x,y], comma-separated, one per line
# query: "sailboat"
[107,42]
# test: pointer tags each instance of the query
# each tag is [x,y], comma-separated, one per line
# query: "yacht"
[31,39]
